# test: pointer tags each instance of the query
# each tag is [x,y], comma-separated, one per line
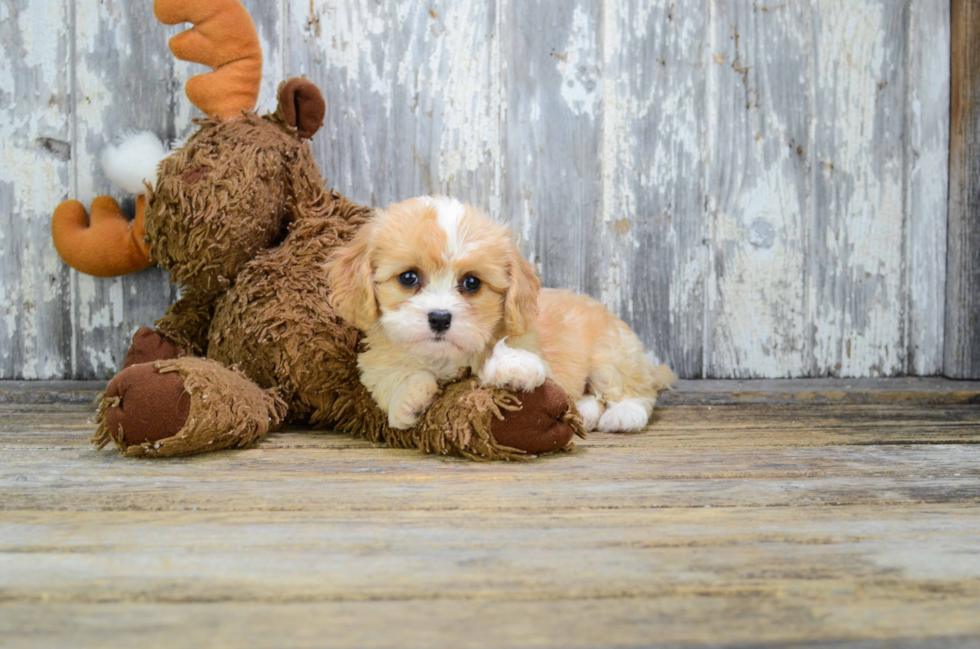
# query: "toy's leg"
[184,406]
[149,346]
[472,421]
[480,422]
[545,421]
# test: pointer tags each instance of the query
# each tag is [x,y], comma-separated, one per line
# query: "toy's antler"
[224,38]
[107,245]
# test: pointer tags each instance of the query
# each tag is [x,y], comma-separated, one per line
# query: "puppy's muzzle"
[439,321]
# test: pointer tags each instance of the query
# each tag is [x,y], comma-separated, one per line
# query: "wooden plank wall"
[758,188]
[963,289]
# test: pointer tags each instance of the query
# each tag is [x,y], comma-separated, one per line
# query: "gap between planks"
[928,390]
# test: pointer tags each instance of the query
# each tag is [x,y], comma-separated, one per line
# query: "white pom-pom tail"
[134,160]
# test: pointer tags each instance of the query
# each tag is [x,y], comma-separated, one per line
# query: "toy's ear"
[352,281]
[302,105]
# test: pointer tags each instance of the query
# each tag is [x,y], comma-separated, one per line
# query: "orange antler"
[224,38]
[107,245]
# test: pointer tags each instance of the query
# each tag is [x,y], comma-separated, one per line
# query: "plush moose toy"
[240,217]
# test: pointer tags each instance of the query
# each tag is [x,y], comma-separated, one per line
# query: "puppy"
[440,291]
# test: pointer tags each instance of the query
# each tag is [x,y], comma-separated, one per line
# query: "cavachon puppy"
[440,290]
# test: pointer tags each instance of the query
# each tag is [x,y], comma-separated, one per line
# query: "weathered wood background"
[759,187]
[962,343]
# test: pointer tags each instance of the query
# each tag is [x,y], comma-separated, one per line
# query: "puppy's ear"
[521,301]
[352,282]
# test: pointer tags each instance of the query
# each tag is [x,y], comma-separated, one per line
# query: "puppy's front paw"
[626,416]
[513,368]
[591,409]
[413,401]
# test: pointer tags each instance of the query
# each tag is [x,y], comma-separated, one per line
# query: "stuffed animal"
[240,217]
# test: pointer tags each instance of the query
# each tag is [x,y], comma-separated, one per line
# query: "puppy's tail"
[662,378]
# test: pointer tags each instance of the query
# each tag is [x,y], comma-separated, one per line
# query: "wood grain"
[552,191]
[752,621]
[751,526]
[35,159]
[758,184]
[445,101]
[927,173]
[284,557]
[691,457]
[962,357]
[757,188]
[342,46]
[653,228]
[857,230]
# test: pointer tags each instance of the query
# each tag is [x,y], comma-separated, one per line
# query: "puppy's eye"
[408,279]
[471,284]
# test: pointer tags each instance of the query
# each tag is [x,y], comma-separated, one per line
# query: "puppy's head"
[437,276]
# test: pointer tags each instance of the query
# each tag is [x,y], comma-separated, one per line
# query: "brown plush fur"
[240,218]
[226,409]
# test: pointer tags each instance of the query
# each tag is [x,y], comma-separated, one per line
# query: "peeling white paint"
[419,96]
[459,67]
[652,269]
[581,80]
[927,156]
[353,38]
[618,199]
[758,328]
[498,108]
[756,191]
[859,330]
[33,174]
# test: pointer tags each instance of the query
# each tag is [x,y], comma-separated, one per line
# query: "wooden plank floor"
[739,523]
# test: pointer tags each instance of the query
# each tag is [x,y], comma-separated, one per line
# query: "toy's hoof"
[151,406]
[149,346]
[540,425]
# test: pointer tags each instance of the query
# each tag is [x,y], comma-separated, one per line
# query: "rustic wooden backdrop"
[962,341]
[759,187]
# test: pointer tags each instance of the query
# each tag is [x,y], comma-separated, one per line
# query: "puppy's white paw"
[413,401]
[591,409]
[513,368]
[627,416]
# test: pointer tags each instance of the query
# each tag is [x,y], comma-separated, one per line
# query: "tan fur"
[350,277]
[591,351]
[586,349]
[407,236]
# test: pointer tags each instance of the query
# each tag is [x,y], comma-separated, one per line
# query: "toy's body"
[240,218]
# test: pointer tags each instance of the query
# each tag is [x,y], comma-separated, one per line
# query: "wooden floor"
[731,522]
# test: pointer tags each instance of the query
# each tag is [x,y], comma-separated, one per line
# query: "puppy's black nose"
[439,320]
